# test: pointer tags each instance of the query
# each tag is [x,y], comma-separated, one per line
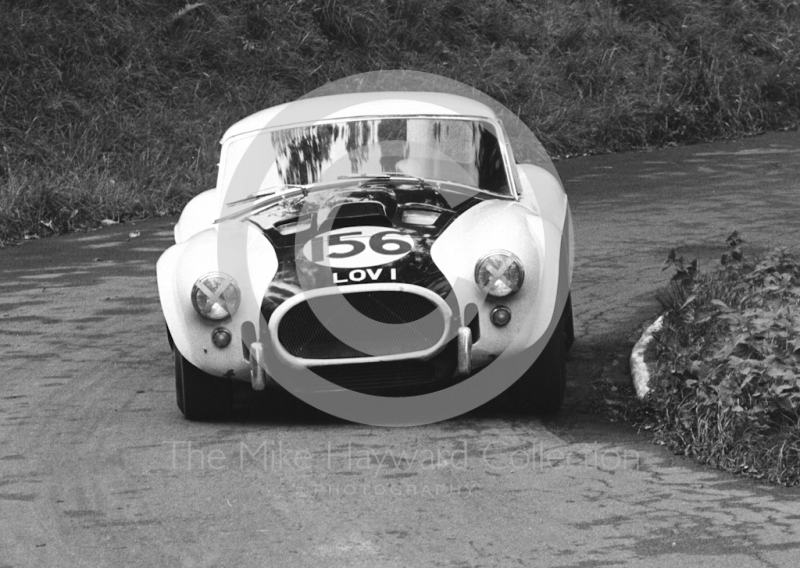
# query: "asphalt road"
[98,468]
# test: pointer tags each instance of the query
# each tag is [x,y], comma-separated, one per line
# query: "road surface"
[98,467]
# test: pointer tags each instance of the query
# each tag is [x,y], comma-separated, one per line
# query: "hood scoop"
[354,214]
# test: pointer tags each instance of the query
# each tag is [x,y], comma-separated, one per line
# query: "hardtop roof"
[387,103]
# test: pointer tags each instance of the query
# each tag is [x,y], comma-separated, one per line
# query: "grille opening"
[371,377]
[406,328]
[409,377]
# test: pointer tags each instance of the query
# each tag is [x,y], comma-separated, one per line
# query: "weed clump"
[726,389]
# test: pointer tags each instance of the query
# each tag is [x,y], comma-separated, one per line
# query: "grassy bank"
[726,385]
[114,109]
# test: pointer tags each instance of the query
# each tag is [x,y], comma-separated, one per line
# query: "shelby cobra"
[389,243]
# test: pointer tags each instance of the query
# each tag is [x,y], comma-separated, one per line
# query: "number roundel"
[358,247]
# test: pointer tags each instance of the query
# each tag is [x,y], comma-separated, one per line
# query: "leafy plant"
[726,389]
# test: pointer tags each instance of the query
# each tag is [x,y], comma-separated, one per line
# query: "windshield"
[444,149]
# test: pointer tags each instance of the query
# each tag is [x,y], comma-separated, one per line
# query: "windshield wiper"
[384,175]
[266,201]
[266,192]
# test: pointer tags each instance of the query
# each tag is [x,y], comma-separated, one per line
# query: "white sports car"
[391,245]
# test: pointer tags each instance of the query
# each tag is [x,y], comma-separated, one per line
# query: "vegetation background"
[113,108]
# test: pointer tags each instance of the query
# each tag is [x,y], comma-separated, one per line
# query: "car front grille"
[379,376]
[405,329]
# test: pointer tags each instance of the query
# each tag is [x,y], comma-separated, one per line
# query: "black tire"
[201,396]
[542,387]
[569,326]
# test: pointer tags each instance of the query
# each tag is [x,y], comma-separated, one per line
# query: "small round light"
[215,296]
[499,273]
[500,316]
[221,337]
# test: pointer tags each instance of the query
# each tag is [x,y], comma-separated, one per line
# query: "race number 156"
[358,247]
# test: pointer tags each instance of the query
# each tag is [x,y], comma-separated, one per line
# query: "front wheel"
[200,396]
[542,387]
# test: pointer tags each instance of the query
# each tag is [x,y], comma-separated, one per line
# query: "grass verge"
[114,109]
[726,389]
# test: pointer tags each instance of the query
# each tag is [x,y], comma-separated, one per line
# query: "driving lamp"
[499,274]
[215,296]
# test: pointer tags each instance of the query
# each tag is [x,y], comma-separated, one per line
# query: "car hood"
[359,233]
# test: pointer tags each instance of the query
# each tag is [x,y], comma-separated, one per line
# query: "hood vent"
[354,214]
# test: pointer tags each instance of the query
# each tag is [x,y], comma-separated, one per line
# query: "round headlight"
[499,273]
[215,296]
